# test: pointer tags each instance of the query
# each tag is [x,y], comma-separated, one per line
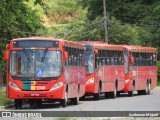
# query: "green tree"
[60,11]
[17,20]
[138,20]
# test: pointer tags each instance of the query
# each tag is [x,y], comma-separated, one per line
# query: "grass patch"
[4,100]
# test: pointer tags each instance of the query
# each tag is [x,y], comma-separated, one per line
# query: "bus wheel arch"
[100,86]
[64,102]
[97,95]
[149,86]
[76,99]
[118,92]
[114,93]
[146,90]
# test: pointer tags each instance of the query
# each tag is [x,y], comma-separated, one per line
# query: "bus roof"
[102,45]
[136,48]
[64,42]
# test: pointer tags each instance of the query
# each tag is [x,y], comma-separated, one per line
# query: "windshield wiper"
[44,55]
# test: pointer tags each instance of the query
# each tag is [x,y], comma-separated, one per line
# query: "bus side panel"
[97,78]
[111,74]
[75,76]
[109,78]
[153,77]
[81,78]
[70,81]
[120,77]
[144,74]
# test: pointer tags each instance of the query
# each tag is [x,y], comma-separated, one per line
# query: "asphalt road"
[123,103]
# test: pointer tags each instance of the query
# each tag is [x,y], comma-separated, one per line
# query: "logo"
[39,73]
[6,114]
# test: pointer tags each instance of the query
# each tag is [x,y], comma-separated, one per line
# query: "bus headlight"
[91,80]
[14,86]
[58,85]
[126,81]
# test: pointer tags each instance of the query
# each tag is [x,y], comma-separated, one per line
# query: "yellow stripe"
[33,87]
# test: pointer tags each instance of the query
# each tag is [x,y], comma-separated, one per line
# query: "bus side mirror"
[65,55]
[132,60]
[6,55]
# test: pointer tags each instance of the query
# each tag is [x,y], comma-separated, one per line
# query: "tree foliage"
[62,11]
[135,21]
[128,21]
[17,20]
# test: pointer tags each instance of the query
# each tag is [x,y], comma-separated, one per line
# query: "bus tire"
[130,93]
[18,103]
[149,88]
[64,101]
[82,98]
[76,99]
[107,94]
[118,93]
[97,95]
[140,92]
[145,92]
[114,93]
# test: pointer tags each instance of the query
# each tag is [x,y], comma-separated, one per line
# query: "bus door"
[126,64]
[103,76]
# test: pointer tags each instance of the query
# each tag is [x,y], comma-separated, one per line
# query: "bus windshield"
[35,64]
[89,63]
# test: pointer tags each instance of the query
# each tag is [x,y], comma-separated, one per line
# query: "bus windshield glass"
[35,64]
[89,63]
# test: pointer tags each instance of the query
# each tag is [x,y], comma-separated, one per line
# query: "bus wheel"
[114,93]
[18,103]
[140,92]
[64,101]
[76,99]
[149,88]
[107,94]
[130,93]
[118,93]
[97,95]
[145,92]
[82,98]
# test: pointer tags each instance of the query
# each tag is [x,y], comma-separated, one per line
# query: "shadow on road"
[45,105]
[102,97]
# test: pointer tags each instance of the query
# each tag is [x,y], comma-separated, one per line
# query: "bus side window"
[154,59]
[103,61]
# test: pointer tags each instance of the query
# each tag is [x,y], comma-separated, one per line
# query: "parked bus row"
[40,69]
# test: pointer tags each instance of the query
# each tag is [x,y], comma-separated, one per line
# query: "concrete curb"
[7,106]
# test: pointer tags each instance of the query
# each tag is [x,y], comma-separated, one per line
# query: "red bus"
[104,69]
[39,69]
[140,69]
